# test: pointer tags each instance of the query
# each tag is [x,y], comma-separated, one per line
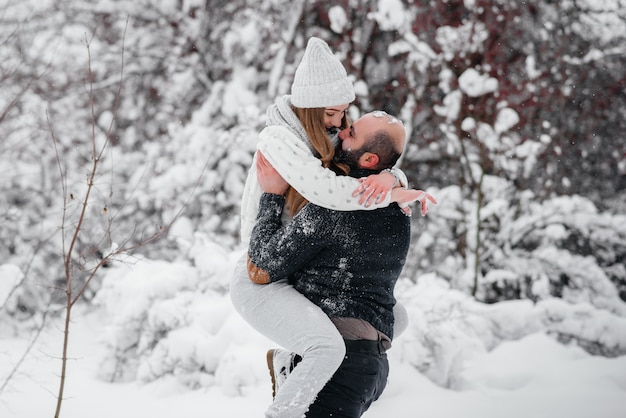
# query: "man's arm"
[282,250]
[275,252]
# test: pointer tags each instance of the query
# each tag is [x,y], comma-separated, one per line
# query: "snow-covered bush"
[174,319]
[448,329]
[529,249]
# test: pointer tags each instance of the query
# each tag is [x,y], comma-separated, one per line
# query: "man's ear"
[368,160]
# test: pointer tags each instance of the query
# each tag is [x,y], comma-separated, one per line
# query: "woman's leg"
[401,319]
[285,316]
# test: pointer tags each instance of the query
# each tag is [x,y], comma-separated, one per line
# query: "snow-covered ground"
[532,377]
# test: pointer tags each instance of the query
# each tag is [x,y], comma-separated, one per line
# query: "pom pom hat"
[320,79]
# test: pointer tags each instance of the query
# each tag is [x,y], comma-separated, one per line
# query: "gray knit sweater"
[347,263]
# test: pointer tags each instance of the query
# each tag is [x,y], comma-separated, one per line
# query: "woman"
[296,142]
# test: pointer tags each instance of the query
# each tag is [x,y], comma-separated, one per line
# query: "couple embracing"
[324,214]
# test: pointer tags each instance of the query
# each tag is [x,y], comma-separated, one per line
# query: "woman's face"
[334,115]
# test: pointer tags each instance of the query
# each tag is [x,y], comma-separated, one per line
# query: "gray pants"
[285,316]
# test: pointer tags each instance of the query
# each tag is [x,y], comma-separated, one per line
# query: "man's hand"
[268,177]
[256,274]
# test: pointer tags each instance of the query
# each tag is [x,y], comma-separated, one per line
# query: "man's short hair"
[381,143]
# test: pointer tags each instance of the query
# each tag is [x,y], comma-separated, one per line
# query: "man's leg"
[359,381]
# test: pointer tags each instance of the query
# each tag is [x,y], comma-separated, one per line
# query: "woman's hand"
[269,179]
[405,196]
[374,188]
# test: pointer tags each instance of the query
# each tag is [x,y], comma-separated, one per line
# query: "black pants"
[358,382]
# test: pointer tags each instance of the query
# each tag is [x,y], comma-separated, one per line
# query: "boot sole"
[270,365]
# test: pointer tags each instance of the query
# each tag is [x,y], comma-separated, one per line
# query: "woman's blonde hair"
[312,119]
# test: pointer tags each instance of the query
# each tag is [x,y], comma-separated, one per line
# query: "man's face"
[354,137]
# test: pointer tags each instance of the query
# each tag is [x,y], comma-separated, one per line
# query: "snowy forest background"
[516,113]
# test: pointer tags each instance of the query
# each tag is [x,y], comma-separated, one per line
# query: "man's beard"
[348,157]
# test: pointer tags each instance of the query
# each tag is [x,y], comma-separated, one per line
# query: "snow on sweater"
[347,263]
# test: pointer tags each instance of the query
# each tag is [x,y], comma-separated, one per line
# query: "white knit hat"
[320,79]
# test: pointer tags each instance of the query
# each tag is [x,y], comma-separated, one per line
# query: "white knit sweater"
[285,145]
[304,172]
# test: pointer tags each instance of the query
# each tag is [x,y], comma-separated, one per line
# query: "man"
[345,262]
